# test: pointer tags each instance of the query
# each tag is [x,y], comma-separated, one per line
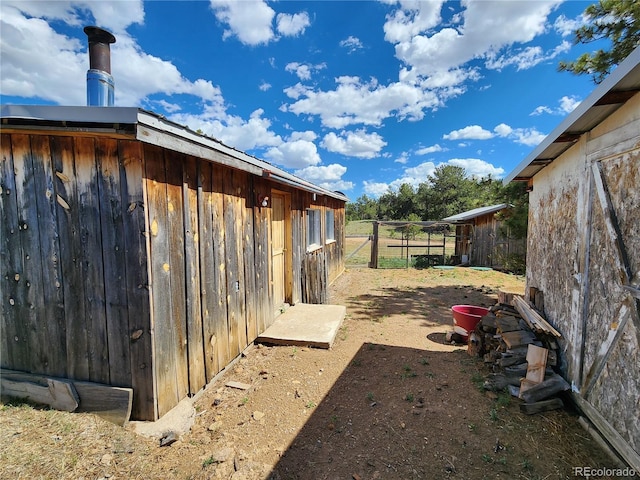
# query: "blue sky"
[357,96]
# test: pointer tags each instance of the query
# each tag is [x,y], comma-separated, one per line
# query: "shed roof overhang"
[148,127]
[475,213]
[622,84]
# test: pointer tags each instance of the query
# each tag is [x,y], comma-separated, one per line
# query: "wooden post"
[374,246]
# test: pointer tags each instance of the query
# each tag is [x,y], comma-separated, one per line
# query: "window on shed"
[313,228]
[329,226]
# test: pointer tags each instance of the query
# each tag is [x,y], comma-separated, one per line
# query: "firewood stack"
[522,349]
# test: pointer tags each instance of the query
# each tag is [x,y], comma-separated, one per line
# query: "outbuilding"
[583,250]
[138,253]
[483,240]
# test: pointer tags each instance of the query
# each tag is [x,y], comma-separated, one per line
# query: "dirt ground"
[390,400]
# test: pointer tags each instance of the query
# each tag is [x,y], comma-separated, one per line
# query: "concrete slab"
[305,325]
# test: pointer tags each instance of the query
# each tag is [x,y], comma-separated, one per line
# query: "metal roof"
[475,213]
[622,84]
[148,127]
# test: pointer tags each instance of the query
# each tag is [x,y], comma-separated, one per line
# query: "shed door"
[610,356]
[278,245]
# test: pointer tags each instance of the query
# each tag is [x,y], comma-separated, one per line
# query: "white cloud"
[304,70]
[540,110]
[326,176]
[375,189]
[566,26]
[477,168]
[356,102]
[525,58]
[427,150]
[411,19]
[503,130]
[264,86]
[352,44]
[487,29]
[524,136]
[354,144]
[292,25]
[402,159]
[472,132]
[566,105]
[294,153]
[252,21]
[249,21]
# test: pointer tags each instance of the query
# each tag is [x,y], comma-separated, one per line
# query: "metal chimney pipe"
[100,84]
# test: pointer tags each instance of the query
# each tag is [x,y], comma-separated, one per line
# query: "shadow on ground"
[430,304]
[384,418]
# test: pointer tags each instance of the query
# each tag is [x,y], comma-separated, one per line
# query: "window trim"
[313,232]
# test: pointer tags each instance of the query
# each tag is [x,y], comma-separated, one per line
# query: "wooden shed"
[584,251]
[480,237]
[137,253]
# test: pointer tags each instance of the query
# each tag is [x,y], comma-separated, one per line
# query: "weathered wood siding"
[75,301]
[132,265]
[485,243]
[584,254]
[335,250]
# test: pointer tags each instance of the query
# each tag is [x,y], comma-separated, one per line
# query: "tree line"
[448,191]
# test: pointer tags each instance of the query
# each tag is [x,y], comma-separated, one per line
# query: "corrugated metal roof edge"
[599,92]
[138,116]
[476,212]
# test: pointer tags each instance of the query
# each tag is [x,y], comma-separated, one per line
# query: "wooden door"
[278,245]
[609,332]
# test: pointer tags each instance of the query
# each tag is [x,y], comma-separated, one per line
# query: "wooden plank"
[90,255]
[51,318]
[59,395]
[195,339]
[621,259]
[164,356]
[63,151]
[261,260]
[298,244]
[13,342]
[543,406]
[233,245]
[137,280]
[622,446]
[208,285]
[113,404]
[619,322]
[533,318]
[113,238]
[175,224]
[249,261]
[28,297]
[220,314]
[110,403]
[240,183]
[536,363]
[536,366]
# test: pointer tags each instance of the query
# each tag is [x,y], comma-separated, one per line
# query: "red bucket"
[466,317]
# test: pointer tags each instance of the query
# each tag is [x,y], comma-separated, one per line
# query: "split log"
[517,338]
[507,324]
[550,386]
[543,406]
